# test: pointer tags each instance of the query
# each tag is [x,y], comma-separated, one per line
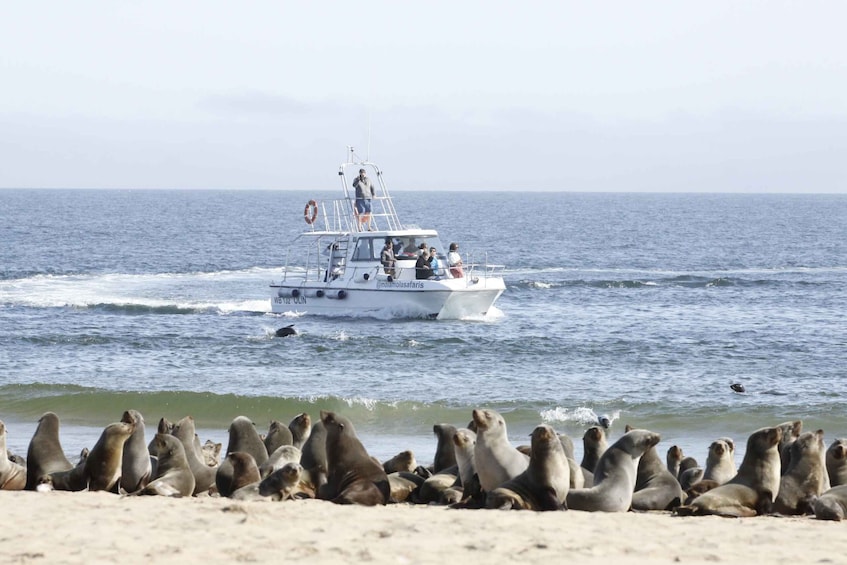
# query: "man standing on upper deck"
[364,193]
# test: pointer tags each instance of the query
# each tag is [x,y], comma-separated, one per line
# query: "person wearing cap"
[454,261]
[364,193]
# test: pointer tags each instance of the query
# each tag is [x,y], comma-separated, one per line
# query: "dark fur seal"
[286,483]
[313,458]
[244,437]
[594,443]
[44,454]
[136,469]
[614,475]
[278,435]
[836,462]
[104,462]
[445,456]
[755,487]
[803,481]
[831,505]
[353,477]
[286,331]
[544,484]
[173,475]
[655,487]
[674,459]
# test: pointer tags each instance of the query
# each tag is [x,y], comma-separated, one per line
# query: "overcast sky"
[717,96]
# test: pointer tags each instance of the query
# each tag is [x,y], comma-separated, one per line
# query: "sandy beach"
[91,527]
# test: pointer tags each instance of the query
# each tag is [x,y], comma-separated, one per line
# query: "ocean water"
[642,307]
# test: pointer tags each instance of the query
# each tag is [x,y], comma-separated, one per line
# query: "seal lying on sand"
[753,490]
[614,475]
[12,475]
[173,475]
[353,477]
[831,505]
[545,483]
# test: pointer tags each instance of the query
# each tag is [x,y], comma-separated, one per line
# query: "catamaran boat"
[334,266]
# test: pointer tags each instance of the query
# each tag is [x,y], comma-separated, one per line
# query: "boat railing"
[340,216]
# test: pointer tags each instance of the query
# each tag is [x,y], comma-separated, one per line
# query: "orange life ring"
[311,206]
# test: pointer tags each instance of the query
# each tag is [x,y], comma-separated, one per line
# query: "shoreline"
[86,527]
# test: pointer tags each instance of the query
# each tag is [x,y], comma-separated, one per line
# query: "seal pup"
[836,462]
[544,484]
[445,456]
[173,475]
[655,487]
[211,453]
[720,461]
[803,481]
[204,476]
[12,475]
[164,426]
[353,477]
[831,505]
[313,456]
[244,472]
[244,437]
[286,483]
[404,485]
[594,443]
[44,454]
[403,461]
[278,435]
[434,488]
[495,458]
[755,486]
[136,468]
[281,456]
[104,463]
[286,331]
[300,427]
[614,475]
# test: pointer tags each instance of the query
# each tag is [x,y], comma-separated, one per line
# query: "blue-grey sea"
[642,307]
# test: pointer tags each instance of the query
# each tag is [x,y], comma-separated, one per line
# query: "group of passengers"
[428,265]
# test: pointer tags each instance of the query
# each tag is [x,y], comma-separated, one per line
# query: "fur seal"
[544,484]
[204,476]
[281,456]
[720,462]
[578,475]
[445,456]
[737,387]
[12,475]
[836,462]
[755,486]
[244,437]
[496,460]
[353,477]
[803,481]
[173,475]
[594,443]
[674,458]
[614,475]
[403,461]
[404,485]
[655,487]
[104,462]
[211,453]
[286,483]
[300,427]
[278,435]
[831,505]
[286,331]
[790,432]
[136,469]
[244,472]
[44,454]
[313,458]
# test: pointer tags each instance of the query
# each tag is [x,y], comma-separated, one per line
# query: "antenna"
[368,158]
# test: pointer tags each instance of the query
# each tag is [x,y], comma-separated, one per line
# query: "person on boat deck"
[364,193]
[454,261]
[387,257]
[434,263]
[422,268]
[421,249]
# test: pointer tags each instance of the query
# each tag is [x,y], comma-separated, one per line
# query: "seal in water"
[286,331]
[544,484]
[755,487]
[614,475]
[353,477]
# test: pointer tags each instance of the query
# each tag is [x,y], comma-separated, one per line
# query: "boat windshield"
[405,246]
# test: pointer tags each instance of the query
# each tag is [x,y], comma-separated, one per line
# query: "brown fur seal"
[283,455]
[12,475]
[313,458]
[496,460]
[544,484]
[803,481]
[674,458]
[836,462]
[244,472]
[286,483]
[278,435]
[136,469]
[404,486]
[445,456]
[578,475]
[300,427]
[434,488]
[594,443]
[655,487]
[753,490]
[831,505]
[790,432]
[204,476]
[403,461]
[720,462]
[699,488]
[353,477]
[244,437]
[614,475]
[104,462]
[44,454]
[164,426]
[173,475]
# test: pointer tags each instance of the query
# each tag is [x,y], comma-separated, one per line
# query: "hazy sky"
[738,96]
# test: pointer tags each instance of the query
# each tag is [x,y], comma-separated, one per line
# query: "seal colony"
[784,471]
